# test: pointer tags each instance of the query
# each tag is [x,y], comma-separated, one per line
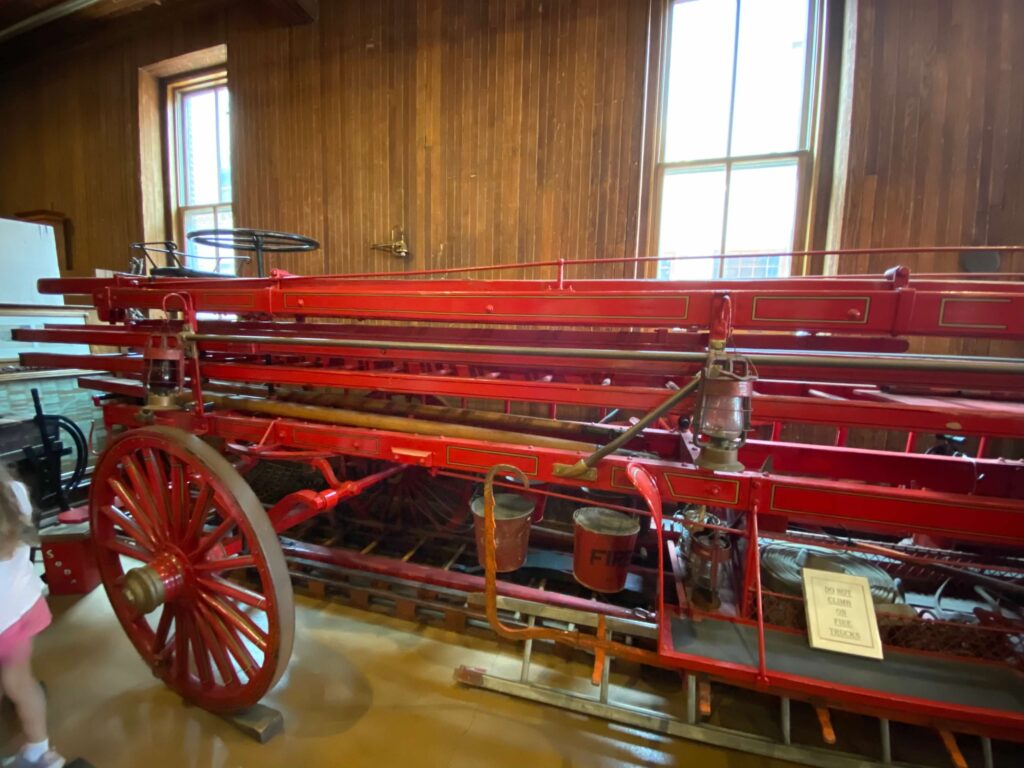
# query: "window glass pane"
[699,79]
[225,217]
[205,257]
[770,76]
[762,212]
[224,137]
[692,202]
[225,220]
[199,148]
[201,257]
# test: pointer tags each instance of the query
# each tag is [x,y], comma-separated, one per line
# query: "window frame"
[804,155]
[175,88]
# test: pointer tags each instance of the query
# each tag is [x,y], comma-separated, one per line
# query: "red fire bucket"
[603,547]
[511,529]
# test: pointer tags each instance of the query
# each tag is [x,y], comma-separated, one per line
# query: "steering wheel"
[260,241]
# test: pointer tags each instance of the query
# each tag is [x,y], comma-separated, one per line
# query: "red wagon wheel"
[171,519]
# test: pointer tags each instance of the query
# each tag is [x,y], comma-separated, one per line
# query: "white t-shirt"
[20,587]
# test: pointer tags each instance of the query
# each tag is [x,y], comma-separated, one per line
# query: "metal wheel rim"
[229,662]
[254,240]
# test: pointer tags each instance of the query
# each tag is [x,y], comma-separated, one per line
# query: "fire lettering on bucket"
[613,557]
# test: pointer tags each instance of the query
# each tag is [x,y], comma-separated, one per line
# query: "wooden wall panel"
[936,148]
[492,132]
[936,144]
[504,130]
[274,80]
[69,137]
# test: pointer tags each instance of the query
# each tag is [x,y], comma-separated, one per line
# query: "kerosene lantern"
[163,371]
[722,417]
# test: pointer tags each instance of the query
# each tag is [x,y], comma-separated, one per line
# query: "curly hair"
[14,525]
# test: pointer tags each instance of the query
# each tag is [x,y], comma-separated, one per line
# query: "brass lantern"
[722,418]
[163,371]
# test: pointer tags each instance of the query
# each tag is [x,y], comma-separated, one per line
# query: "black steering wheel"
[259,241]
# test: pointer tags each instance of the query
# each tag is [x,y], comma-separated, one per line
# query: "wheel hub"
[148,587]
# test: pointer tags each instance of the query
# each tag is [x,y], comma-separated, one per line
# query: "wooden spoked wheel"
[417,498]
[174,524]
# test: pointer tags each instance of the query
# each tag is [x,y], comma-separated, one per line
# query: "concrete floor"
[362,690]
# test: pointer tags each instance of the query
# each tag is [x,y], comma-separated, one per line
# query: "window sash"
[177,165]
[181,154]
[183,214]
[803,160]
[803,155]
[192,259]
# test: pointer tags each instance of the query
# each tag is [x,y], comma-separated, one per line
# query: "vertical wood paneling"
[492,131]
[508,131]
[936,130]
[69,130]
[504,131]
[276,128]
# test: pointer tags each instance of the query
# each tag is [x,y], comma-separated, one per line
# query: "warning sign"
[841,614]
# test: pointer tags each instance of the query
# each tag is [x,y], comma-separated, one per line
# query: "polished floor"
[362,690]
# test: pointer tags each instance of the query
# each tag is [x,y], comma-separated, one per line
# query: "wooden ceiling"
[61,20]
[14,12]
[30,29]
[34,29]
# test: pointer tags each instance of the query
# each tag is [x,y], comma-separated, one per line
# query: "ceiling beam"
[45,17]
[294,12]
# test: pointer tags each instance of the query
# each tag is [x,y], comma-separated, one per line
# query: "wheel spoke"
[129,527]
[178,498]
[212,538]
[157,486]
[220,656]
[237,620]
[128,549]
[143,495]
[229,640]
[427,491]
[237,592]
[180,668]
[226,564]
[161,644]
[199,652]
[198,515]
[140,517]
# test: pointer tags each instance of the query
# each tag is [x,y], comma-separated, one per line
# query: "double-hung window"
[199,110]
[735,156]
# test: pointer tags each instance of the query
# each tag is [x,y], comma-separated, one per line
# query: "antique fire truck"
[639,469]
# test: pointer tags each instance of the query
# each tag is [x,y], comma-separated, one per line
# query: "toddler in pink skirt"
[23,615]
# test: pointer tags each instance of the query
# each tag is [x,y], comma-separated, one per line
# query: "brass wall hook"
[397,247]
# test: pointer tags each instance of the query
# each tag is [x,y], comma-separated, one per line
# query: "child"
[23,615]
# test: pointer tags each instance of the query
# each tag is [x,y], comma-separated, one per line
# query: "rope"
[782,565]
